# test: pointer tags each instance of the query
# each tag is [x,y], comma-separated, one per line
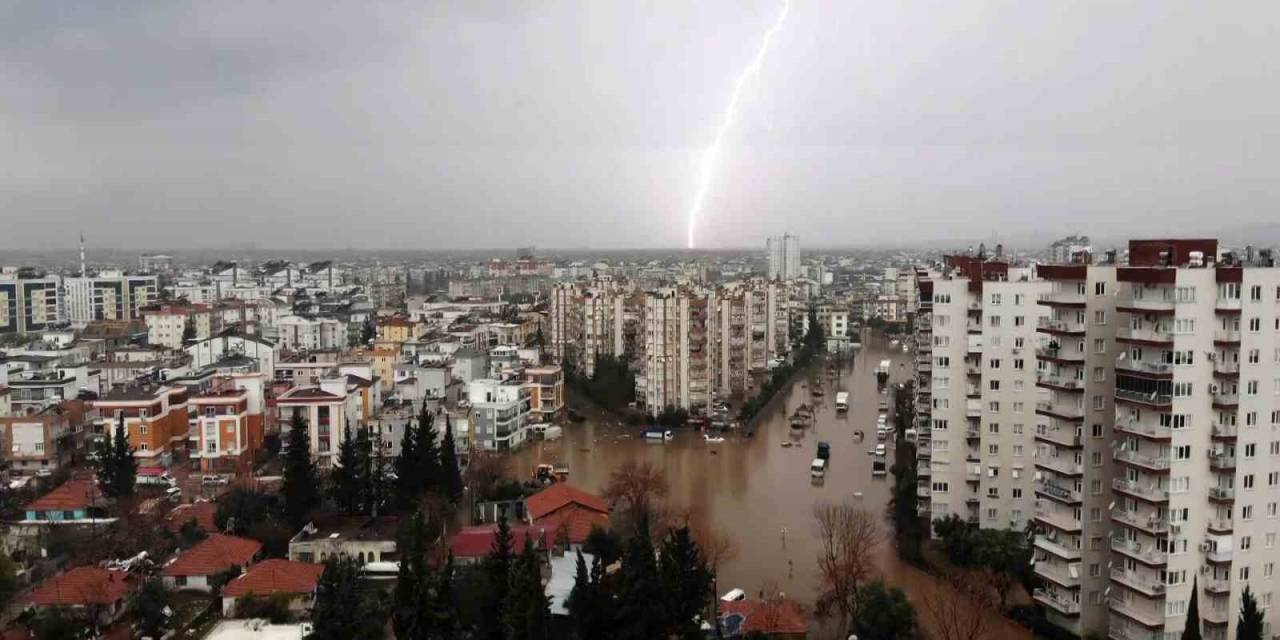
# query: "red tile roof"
[477,542]
[560,495]
[574,523]
[201,512]
[72,494]
[83,586]
[781,616]
[274,576]
[214,554]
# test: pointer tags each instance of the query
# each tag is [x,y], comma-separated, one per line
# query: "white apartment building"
[784,257]
[167,325]
[499,413]
[107,296]
[298,333]
[977,391]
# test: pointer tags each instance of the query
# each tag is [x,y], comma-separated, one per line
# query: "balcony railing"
[1221,461]
[1136,458]
[1147,491]
[1056,548]
[1146,303]
[1135,580]
[1130,425]
[1218,555]
[1146,615]
[1055,601]
[1066,296]
[1222,493]
[1058,576]
[1060,326]
[1059,353]
[1145,397]
[1225,398]
[1148,334]
[1061,437]
[1146,552]
[1060,409]
[1057,491]
[1225,335]
[1151,523]
[1060,465]
[1058,518]
[1225,431]
[1060,381]
[1145,366]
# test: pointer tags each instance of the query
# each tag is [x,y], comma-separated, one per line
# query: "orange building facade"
[154,415]
[229,424]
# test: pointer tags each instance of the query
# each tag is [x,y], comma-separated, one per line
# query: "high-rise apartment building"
[784,257]
[1157,434]
[29,302]
[977,390]
[108,296]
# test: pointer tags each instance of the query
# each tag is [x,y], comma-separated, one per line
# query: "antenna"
[82,269]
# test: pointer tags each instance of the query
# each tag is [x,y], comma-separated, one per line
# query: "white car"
[880,450]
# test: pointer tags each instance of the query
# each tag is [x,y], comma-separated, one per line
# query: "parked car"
[213,481]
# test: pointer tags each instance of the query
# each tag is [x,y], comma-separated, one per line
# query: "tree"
[273,609]
[603,543]
[885,614]
[960,606]
[368,331]
[445,612]
[240,509]
[300,494]
[8,580]
[585,602]
[640,592]
[1006,557]
[117,469]
[848,536]
[528,614]
[346,477]
[907,525]
[497,571]
[1251,620]
[148,606]
[345,605]
[411,600]
[1192,630]
[450,477]
[635,487]
[427,450]
[59,623]
[685,578]
[407,470]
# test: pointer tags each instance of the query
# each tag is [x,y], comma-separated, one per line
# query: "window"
[1255,325]
[1182,452]
[1095,487]
[1017,299]
[1019,321]
[1098,402]
[1099,345]
[994,321]
[1255,293]
[1095,431]
[1099,317]
[995,298]
[1099,374]
[1185,294]
[995,385]
[1099,288]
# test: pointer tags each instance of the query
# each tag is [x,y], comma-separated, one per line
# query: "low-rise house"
[293,581]
[194,569]
[366,539]
[102,594]
[471,545]
[72,501]
[201,513]
[566,513]
[258,629]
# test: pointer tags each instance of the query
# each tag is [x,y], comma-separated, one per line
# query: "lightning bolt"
[712,153]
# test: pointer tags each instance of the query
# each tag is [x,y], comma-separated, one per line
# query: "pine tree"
[497,568]
[407,471]
[528,616]
[446,611]
[346,477]
[450,476]
[640,594]
[117,469]
[428,451]
[300,495]
[1250,625]
[345,605]
[581,599]
[685,578]
[1192,630]
[411,616]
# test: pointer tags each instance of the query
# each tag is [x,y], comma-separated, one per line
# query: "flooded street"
[756,490]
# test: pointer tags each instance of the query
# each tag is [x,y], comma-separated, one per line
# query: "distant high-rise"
[1064,251]
[784,257]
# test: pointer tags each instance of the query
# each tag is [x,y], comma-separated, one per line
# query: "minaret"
[82,269]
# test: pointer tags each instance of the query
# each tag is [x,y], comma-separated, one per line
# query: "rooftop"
[274,576]
[70,495]
[214,554]
[337,526]
[560,495]
[477,541]
[201,512]
[83,586]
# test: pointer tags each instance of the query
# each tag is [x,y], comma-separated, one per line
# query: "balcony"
[1144,615]
[1226,400]
[1139,460]
[1220,461]
[1059,382]
[1216,585]
[1221,525]
[1147,553]
[1226,369]
[1149,398]
[1224,432]
[1136,581]
[1060,437]
[1061,466]
[972,369]
[1060,519]
[1216,616]
[1060,355]
[1056,602]
[1060,576]
[1063,298]
[923,492]
[1043,543]
[1057,492]
[1143,429]
[1147,492]
[1218,555]
[1226,337]
[1150,523]
[1155,305]
[1060,327]
[1222,494]
[1157,335]
[1116,632]
[972,433]
[1145,367]
[1060,410]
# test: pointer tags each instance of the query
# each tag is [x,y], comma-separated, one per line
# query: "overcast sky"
[579,124]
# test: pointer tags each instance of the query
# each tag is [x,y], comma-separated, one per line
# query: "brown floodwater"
[754,489]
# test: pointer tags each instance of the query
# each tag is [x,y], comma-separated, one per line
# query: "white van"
[880,450]
[818,468]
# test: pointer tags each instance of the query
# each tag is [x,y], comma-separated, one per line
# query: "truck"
[154,476]
[882,372]
[658,433]
[842,401]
